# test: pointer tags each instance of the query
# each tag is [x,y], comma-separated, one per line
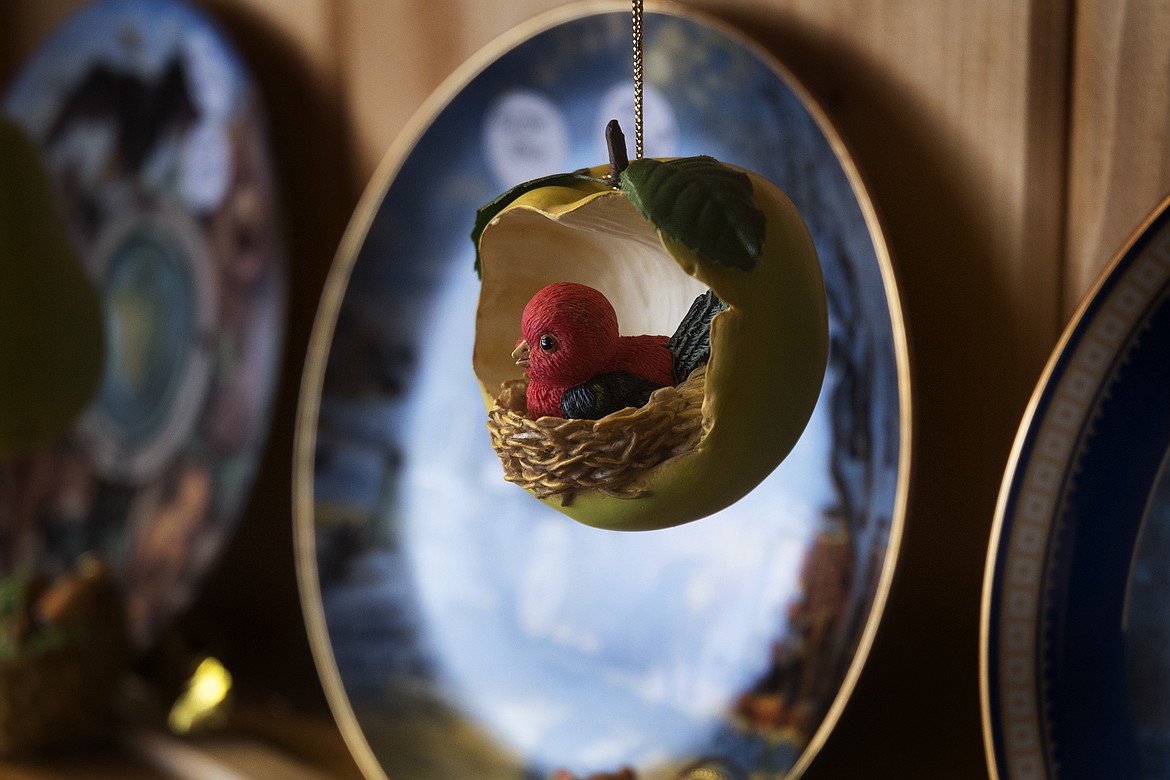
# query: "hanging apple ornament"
[637,432]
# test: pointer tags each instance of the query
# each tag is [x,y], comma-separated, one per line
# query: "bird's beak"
[520,354]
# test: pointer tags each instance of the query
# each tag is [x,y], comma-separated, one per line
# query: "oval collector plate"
[462,628]
[1076,631]
[154,137]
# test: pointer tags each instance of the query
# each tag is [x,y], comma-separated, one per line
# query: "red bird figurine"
[578,366]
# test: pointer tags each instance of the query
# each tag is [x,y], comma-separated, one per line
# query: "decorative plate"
[1076,670]
[464,629]
[152,132]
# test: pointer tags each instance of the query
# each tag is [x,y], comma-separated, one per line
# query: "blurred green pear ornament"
[51,326]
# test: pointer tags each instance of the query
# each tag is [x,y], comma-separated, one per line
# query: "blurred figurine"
[579,367]
[64,651]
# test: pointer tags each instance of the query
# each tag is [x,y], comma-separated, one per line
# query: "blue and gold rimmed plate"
[463,629]
[1076,616]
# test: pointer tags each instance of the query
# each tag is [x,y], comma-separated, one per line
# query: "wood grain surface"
[1009,147]
[1119,160]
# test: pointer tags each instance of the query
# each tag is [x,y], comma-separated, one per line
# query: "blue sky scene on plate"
[569,646]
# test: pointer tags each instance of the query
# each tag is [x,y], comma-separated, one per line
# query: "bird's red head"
[571,332]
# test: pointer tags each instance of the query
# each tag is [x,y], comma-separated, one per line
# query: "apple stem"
[619,159]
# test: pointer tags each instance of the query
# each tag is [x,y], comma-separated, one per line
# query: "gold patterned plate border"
[1030,542]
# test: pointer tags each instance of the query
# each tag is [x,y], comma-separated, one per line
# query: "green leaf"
[702,203]
[486,213]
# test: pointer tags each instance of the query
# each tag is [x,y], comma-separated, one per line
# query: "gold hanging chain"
[637,19]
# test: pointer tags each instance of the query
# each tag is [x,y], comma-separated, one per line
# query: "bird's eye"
[548,342]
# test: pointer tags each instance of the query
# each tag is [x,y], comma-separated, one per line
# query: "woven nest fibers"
[555,457]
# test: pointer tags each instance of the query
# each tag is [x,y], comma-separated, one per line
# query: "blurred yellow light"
[206,691]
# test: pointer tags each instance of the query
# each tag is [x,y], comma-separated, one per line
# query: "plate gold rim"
[333,294]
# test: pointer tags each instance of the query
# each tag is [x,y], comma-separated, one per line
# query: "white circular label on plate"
[525,136]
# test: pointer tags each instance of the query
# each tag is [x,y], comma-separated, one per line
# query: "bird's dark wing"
[690,346]
[606,393]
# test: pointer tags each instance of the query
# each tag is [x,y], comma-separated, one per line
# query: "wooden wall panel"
[1119,165]
[396,53]
[309,25]
[290,48]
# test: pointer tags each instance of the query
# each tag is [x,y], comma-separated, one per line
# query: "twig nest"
[552,457]
[691,450]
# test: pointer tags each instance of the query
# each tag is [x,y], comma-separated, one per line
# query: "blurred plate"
[462,628]
[1076,634]
[152,132]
